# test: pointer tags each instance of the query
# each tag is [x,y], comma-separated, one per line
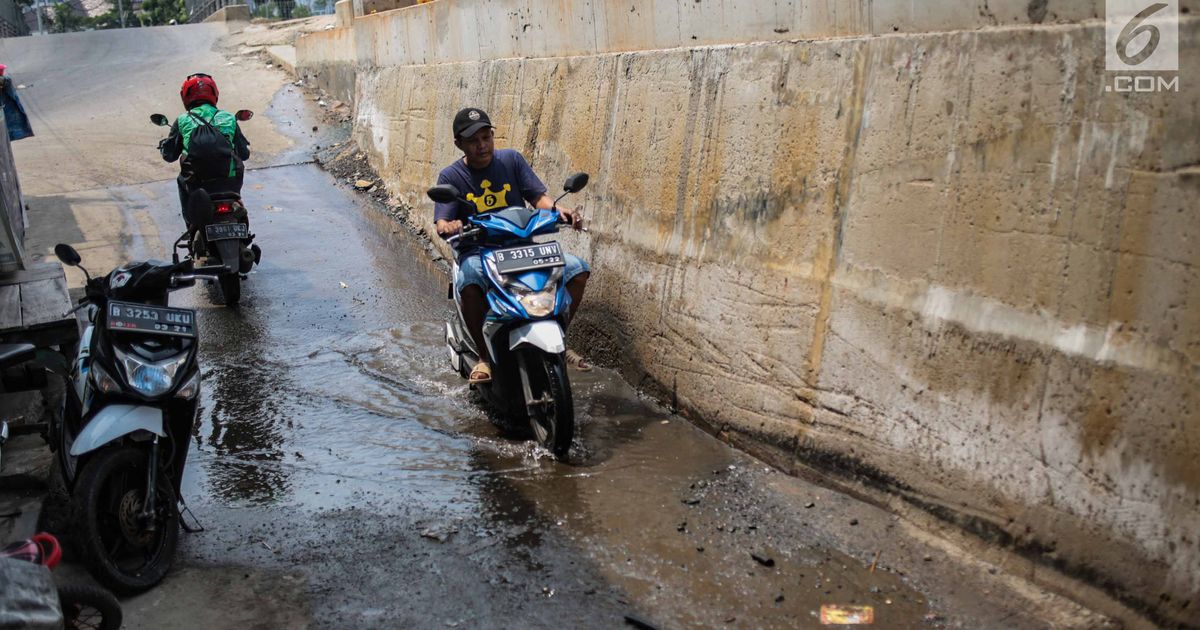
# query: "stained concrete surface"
[955,261]
[348,478]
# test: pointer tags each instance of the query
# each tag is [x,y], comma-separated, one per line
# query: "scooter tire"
[110,487]
[557,429]
[231,288]
[85,606]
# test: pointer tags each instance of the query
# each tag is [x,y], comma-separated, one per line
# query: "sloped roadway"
[346,478]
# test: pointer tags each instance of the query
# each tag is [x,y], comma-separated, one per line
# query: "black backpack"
[209,151]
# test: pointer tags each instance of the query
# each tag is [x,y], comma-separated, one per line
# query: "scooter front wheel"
[123,551]
[552,411]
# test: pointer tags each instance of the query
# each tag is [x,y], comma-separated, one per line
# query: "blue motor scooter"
[524,328]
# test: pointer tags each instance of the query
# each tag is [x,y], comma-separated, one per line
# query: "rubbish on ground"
[763,560]
[810,505]
[875,562]
[843,615]
[344,285]
[363,184]
[440,533]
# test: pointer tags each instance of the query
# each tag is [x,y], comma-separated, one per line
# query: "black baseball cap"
[468,122]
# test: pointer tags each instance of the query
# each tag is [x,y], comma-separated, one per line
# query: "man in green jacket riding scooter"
[209,139]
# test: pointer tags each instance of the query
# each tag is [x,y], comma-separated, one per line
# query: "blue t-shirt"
[507,181]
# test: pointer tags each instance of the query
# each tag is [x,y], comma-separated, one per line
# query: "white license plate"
[529,257]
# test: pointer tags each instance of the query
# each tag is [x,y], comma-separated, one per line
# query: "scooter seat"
[14,353]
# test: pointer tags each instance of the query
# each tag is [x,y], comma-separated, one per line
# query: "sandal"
[481,373]
[578,362]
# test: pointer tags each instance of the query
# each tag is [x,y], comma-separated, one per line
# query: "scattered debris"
[692,501]
[810,505]
[344,285]
[682,527]
[314,127]
[875,562]
[440,533]
[763,560]
[364,184]
[853,522]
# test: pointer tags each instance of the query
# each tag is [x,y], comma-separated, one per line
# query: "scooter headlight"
[150,378]
[539,303]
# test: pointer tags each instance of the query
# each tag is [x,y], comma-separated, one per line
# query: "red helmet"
[198,88]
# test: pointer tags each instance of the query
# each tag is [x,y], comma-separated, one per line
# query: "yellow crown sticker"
[489,200]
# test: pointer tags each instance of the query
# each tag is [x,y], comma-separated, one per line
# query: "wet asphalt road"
[347,478]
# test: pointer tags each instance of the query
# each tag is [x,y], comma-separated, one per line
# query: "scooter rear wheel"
[231,288]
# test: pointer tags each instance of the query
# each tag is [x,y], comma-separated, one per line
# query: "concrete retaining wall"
[232,13]
[949,263]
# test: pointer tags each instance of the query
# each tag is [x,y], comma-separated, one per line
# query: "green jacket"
[178,140]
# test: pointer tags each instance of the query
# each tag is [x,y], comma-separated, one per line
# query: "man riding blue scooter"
[494,179]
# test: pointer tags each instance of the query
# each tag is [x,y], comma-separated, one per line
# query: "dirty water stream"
[338,452]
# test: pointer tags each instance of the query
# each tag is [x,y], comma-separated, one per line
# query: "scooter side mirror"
[160,120]
[576,182]
[67,254]
[199,210]
[244,115]
[443,193]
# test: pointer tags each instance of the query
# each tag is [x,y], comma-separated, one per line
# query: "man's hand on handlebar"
[573,217]
[448,228]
